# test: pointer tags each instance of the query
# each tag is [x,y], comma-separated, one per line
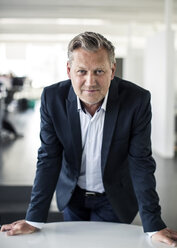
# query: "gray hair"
[91,41]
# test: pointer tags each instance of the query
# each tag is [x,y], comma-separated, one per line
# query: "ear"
[69,69]
[113,68]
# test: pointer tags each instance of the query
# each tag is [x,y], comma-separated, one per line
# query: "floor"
[18,162]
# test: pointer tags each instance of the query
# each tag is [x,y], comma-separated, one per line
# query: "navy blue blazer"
[126,161]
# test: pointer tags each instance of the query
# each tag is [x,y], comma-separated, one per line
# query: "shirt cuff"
[38,225]
[151,233]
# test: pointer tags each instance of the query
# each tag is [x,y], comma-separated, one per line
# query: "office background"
[33,53]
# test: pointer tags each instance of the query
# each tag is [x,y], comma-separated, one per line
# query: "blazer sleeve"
[48,166]
[142,167]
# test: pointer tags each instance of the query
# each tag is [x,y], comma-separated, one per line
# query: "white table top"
[82,235]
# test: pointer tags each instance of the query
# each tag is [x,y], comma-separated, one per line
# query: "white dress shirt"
[92,134]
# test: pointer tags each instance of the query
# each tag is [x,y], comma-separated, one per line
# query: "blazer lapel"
[74,122]
[111,115]
[112,109]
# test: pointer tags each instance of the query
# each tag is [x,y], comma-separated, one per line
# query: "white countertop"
[82,235]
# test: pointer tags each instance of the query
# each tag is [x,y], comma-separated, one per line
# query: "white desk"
[82,235]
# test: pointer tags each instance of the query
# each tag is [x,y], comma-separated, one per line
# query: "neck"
[92,108]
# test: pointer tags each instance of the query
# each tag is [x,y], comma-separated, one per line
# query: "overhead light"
[77,21]
[57,21]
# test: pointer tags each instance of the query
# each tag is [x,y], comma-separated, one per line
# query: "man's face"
[90,74]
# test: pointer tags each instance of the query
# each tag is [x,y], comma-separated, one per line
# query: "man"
[95,146]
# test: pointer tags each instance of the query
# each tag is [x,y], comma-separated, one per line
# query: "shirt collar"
[103,106]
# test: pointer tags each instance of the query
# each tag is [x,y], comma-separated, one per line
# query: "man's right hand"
[18,227]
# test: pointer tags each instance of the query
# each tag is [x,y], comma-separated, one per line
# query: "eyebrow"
[84,68]
[81,67]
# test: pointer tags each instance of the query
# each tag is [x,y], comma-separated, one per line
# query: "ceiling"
[65,17]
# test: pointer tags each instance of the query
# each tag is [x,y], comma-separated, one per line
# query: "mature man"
[95,146]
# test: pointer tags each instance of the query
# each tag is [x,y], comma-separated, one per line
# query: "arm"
[142,167]
[48,169]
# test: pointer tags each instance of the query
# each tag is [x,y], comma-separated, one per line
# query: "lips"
[90,90]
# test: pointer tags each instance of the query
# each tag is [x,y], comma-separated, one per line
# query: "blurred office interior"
[34,35]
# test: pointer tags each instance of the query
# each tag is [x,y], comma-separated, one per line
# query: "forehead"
[82,56]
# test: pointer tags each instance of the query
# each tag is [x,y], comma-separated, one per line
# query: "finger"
[15,230]
[12,232]
[174,237]
[8,227]
[5,228]
[173,234]
[166,240]
[22,228]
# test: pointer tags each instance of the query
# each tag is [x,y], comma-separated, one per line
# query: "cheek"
[106,85]
[77,85]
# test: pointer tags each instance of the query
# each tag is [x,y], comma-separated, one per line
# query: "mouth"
[91,91]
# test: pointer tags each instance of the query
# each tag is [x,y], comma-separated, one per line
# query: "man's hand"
[18,227]
[166,236]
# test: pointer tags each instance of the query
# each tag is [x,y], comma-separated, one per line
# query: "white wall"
[159,79]
[133,66]
[175,76]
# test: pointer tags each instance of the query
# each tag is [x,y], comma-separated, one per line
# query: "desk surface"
[82,235]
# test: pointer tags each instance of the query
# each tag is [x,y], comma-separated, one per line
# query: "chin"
[91,102]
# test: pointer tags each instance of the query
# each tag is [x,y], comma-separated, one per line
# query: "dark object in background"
[18,81]
[8,126]
[22,104]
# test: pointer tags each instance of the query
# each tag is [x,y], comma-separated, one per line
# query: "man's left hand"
[166,236]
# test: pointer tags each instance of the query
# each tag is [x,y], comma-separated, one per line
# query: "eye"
[99,72]
[81,72]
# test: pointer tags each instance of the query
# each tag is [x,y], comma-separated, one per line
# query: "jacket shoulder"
[130,87]
[129,90]
[61,88]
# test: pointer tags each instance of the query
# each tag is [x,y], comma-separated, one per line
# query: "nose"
[90,80]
